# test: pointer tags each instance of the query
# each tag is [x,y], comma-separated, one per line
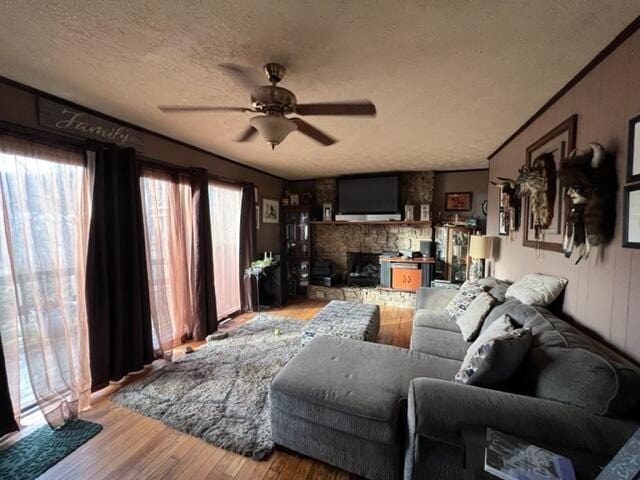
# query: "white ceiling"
[451,79]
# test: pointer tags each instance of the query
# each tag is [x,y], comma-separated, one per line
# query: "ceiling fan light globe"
[273,129]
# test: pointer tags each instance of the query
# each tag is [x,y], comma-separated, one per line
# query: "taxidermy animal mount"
[510,202]
[538,181]
[590,179]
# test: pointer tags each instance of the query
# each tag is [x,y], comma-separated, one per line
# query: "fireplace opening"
[363,269]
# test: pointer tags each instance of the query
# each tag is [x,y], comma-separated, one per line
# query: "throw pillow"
[467,294]
[496,354]
[537,289]
[471,320]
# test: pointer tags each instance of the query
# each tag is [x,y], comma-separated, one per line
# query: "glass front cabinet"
[452,252]
[297,248]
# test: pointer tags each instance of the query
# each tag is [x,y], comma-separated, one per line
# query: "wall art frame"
[559,141]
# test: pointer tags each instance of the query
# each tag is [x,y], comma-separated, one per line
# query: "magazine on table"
[510,458]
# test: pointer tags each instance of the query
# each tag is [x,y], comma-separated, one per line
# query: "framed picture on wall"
[503,227]
[633,151]
[270,210]
[458,201]
[631,219]
[559,142]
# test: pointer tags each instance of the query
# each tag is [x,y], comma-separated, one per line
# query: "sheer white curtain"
[44,222]
[168,222]
[224,205]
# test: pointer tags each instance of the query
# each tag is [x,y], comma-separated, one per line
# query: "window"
[168,220]
[44,221]
[225,206]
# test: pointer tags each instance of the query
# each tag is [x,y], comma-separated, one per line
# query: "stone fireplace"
[349,245]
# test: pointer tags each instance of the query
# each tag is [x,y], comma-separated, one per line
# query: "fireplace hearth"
[363,269]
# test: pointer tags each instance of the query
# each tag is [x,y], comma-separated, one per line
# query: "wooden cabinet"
[408,274]
[452,252]
[406,278]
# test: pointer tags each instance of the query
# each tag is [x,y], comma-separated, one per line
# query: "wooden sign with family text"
[76,122]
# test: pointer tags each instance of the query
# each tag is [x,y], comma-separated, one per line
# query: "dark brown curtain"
[117,287]
[7,420]
[247,246]
[204,293]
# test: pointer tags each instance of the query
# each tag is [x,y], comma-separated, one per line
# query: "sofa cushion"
[471,320]
[353,386]
[495,355]
[433,298]
[537,289]
[467,293]
[441,343]
[431,319]
[568,366]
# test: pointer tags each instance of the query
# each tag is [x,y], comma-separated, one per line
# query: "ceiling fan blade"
[200,108]
[365,108]
[242,75]
[313,132]
[247,134]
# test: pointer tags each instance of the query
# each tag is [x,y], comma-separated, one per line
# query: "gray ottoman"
[343,402]
[344,319]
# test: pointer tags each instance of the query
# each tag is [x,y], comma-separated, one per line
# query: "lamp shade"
[274,129]
[480,246]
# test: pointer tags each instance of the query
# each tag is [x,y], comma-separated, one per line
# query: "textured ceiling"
[451,79]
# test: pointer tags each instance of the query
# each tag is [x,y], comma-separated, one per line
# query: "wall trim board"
[43,94]
[604,53]
[461,171]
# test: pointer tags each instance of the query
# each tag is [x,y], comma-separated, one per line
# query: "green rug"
[36,453]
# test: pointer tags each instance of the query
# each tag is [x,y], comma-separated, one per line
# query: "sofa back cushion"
[566,365]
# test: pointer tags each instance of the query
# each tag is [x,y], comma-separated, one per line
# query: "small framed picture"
[633,151]
[458,201]
[270,210]
[408,212]
[327,212]
[425,212]
[503,228]
[631,219]
[294,200]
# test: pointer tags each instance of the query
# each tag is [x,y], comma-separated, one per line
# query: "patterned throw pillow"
[467,294]
[495,356]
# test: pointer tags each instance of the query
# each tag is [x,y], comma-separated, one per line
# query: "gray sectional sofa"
[385,412]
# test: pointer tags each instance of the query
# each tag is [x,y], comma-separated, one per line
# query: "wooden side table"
[586,464]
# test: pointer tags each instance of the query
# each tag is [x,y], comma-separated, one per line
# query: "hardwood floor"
[132,446]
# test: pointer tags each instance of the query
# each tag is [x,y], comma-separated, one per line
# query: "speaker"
[426,248]
[271,291]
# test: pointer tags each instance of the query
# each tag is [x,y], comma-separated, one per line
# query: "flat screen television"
[369,195]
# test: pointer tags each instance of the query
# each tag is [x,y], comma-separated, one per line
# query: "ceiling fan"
[274,103]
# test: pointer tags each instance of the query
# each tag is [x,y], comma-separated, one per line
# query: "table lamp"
[479,250]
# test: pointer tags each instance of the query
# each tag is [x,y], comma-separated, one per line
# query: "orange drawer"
[406,278]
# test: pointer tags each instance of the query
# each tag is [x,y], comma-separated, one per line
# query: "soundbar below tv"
[371,197]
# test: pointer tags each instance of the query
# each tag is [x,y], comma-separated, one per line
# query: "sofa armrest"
[434,299]
[438,409]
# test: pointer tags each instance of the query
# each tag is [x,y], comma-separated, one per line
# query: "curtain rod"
[172,167]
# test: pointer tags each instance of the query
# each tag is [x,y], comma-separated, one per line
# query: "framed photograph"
[633,151]
[458,201]
[294,200]
[408,213]
[559,142]
[503,228]
[327,212]
[425,212]
[631,219]
[270,210]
